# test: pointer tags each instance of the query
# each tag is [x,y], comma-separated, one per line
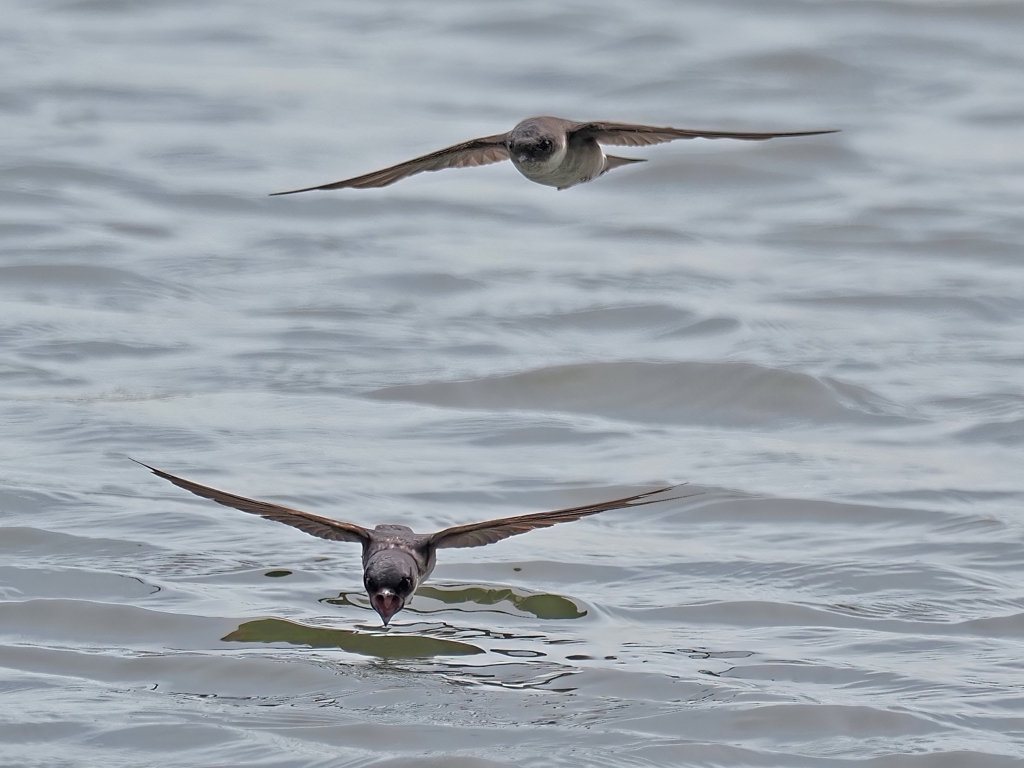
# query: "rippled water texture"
[824,336]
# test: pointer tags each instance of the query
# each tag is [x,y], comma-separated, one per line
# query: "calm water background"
[826,336]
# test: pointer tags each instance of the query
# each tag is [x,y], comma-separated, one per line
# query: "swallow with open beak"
[548,150]
[396,560]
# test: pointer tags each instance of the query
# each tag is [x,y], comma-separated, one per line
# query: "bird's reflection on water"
[506,600]
[387,645]
[428,651]
[398,644]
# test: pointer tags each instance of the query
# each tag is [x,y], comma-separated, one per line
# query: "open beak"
[386,603]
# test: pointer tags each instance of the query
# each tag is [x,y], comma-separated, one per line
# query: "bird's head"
[534,143]
[390,579]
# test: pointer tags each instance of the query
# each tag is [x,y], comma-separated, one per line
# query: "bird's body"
[396,560]
[569,161]
[547,150]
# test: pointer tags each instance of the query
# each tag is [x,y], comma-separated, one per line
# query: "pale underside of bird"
[395,559]
[548,150]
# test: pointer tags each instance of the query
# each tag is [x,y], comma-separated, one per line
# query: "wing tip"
[294,191]
[142,463]
[797,134]
[644,498]
[787,135]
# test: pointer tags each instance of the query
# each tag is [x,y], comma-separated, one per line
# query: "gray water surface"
[824,336]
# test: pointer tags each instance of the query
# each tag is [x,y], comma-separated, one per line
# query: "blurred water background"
[824,336]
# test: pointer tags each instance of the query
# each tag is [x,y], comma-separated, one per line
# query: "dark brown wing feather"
[315,525]
[479,534]
[623,134]
[490,149]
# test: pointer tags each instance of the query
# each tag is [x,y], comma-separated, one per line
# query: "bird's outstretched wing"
[626,135]
[479,534]
[323,527]
[489,149]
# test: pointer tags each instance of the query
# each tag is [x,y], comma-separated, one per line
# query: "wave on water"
[724,393]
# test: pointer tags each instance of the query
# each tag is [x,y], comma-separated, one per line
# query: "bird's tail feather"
[611,161]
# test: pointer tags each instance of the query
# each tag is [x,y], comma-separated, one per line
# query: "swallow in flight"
[548,150]
[396,560]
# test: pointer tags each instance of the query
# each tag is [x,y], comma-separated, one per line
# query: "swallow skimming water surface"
[396,560]
[548,150]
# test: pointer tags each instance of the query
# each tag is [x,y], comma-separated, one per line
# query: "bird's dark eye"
[545,144]
[403,585]
[371,585]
